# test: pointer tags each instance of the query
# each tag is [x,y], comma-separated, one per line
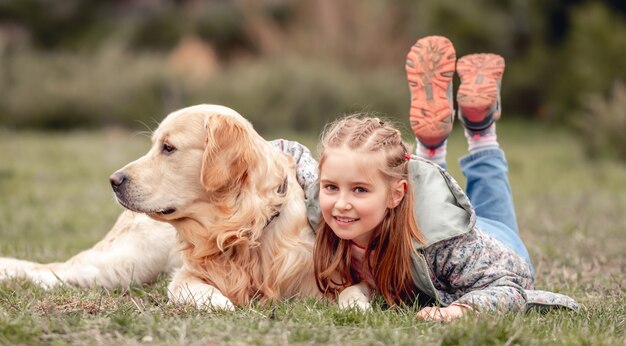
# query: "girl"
[400,226]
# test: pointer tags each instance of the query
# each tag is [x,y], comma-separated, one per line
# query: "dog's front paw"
[354,297]
[216,301]
[201,295]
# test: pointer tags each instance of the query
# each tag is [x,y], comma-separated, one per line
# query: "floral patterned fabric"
[306,171]
[477,270]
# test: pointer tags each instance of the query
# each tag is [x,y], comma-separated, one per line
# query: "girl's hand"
[355,296]
[447,314]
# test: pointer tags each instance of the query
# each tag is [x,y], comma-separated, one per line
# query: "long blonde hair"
[389,252]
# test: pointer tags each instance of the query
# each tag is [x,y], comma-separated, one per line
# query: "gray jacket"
[458,263]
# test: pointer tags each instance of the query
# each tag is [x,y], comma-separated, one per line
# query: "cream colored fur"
[219,184]
[135,251]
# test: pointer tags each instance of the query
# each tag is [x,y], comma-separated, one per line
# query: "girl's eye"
[330,187]
[168,149]
[360,190]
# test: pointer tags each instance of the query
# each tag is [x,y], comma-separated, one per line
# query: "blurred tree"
[592,58]
[67,24]
[602,124]
[353,50]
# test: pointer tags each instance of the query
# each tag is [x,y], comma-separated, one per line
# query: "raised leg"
[489,191]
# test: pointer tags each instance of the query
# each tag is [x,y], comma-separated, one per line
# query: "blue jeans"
[489,191]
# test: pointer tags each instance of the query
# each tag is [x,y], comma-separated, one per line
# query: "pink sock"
[436,155]
[478,141]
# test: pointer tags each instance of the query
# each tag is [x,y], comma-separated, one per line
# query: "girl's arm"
[477,272]
[306,165]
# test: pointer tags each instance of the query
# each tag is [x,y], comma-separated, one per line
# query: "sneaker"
[430,68]
[478,96]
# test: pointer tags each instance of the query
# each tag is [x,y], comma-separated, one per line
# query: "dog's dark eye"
[168,149]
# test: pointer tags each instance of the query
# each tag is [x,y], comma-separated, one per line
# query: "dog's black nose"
[117,180]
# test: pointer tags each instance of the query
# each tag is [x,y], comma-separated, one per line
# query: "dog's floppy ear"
[228,154]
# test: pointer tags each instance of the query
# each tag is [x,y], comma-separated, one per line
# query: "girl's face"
[354,195]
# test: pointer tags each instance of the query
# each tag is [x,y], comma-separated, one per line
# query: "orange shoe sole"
[478,93]
[430,67]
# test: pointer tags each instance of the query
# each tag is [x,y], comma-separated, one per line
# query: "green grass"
[55,201]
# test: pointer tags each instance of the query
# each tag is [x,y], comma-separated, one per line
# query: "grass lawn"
[55,200]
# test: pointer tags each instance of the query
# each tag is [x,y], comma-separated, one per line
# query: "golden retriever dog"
[213,203]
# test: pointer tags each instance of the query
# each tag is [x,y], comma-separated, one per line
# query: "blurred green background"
[291,66]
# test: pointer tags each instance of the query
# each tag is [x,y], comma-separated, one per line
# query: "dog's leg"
[355,296]
[40,274]
[185,288]
[135,251]
[15,268]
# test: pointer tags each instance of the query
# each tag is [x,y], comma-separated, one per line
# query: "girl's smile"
[344,220]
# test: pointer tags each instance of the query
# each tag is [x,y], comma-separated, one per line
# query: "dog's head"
[199,154]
